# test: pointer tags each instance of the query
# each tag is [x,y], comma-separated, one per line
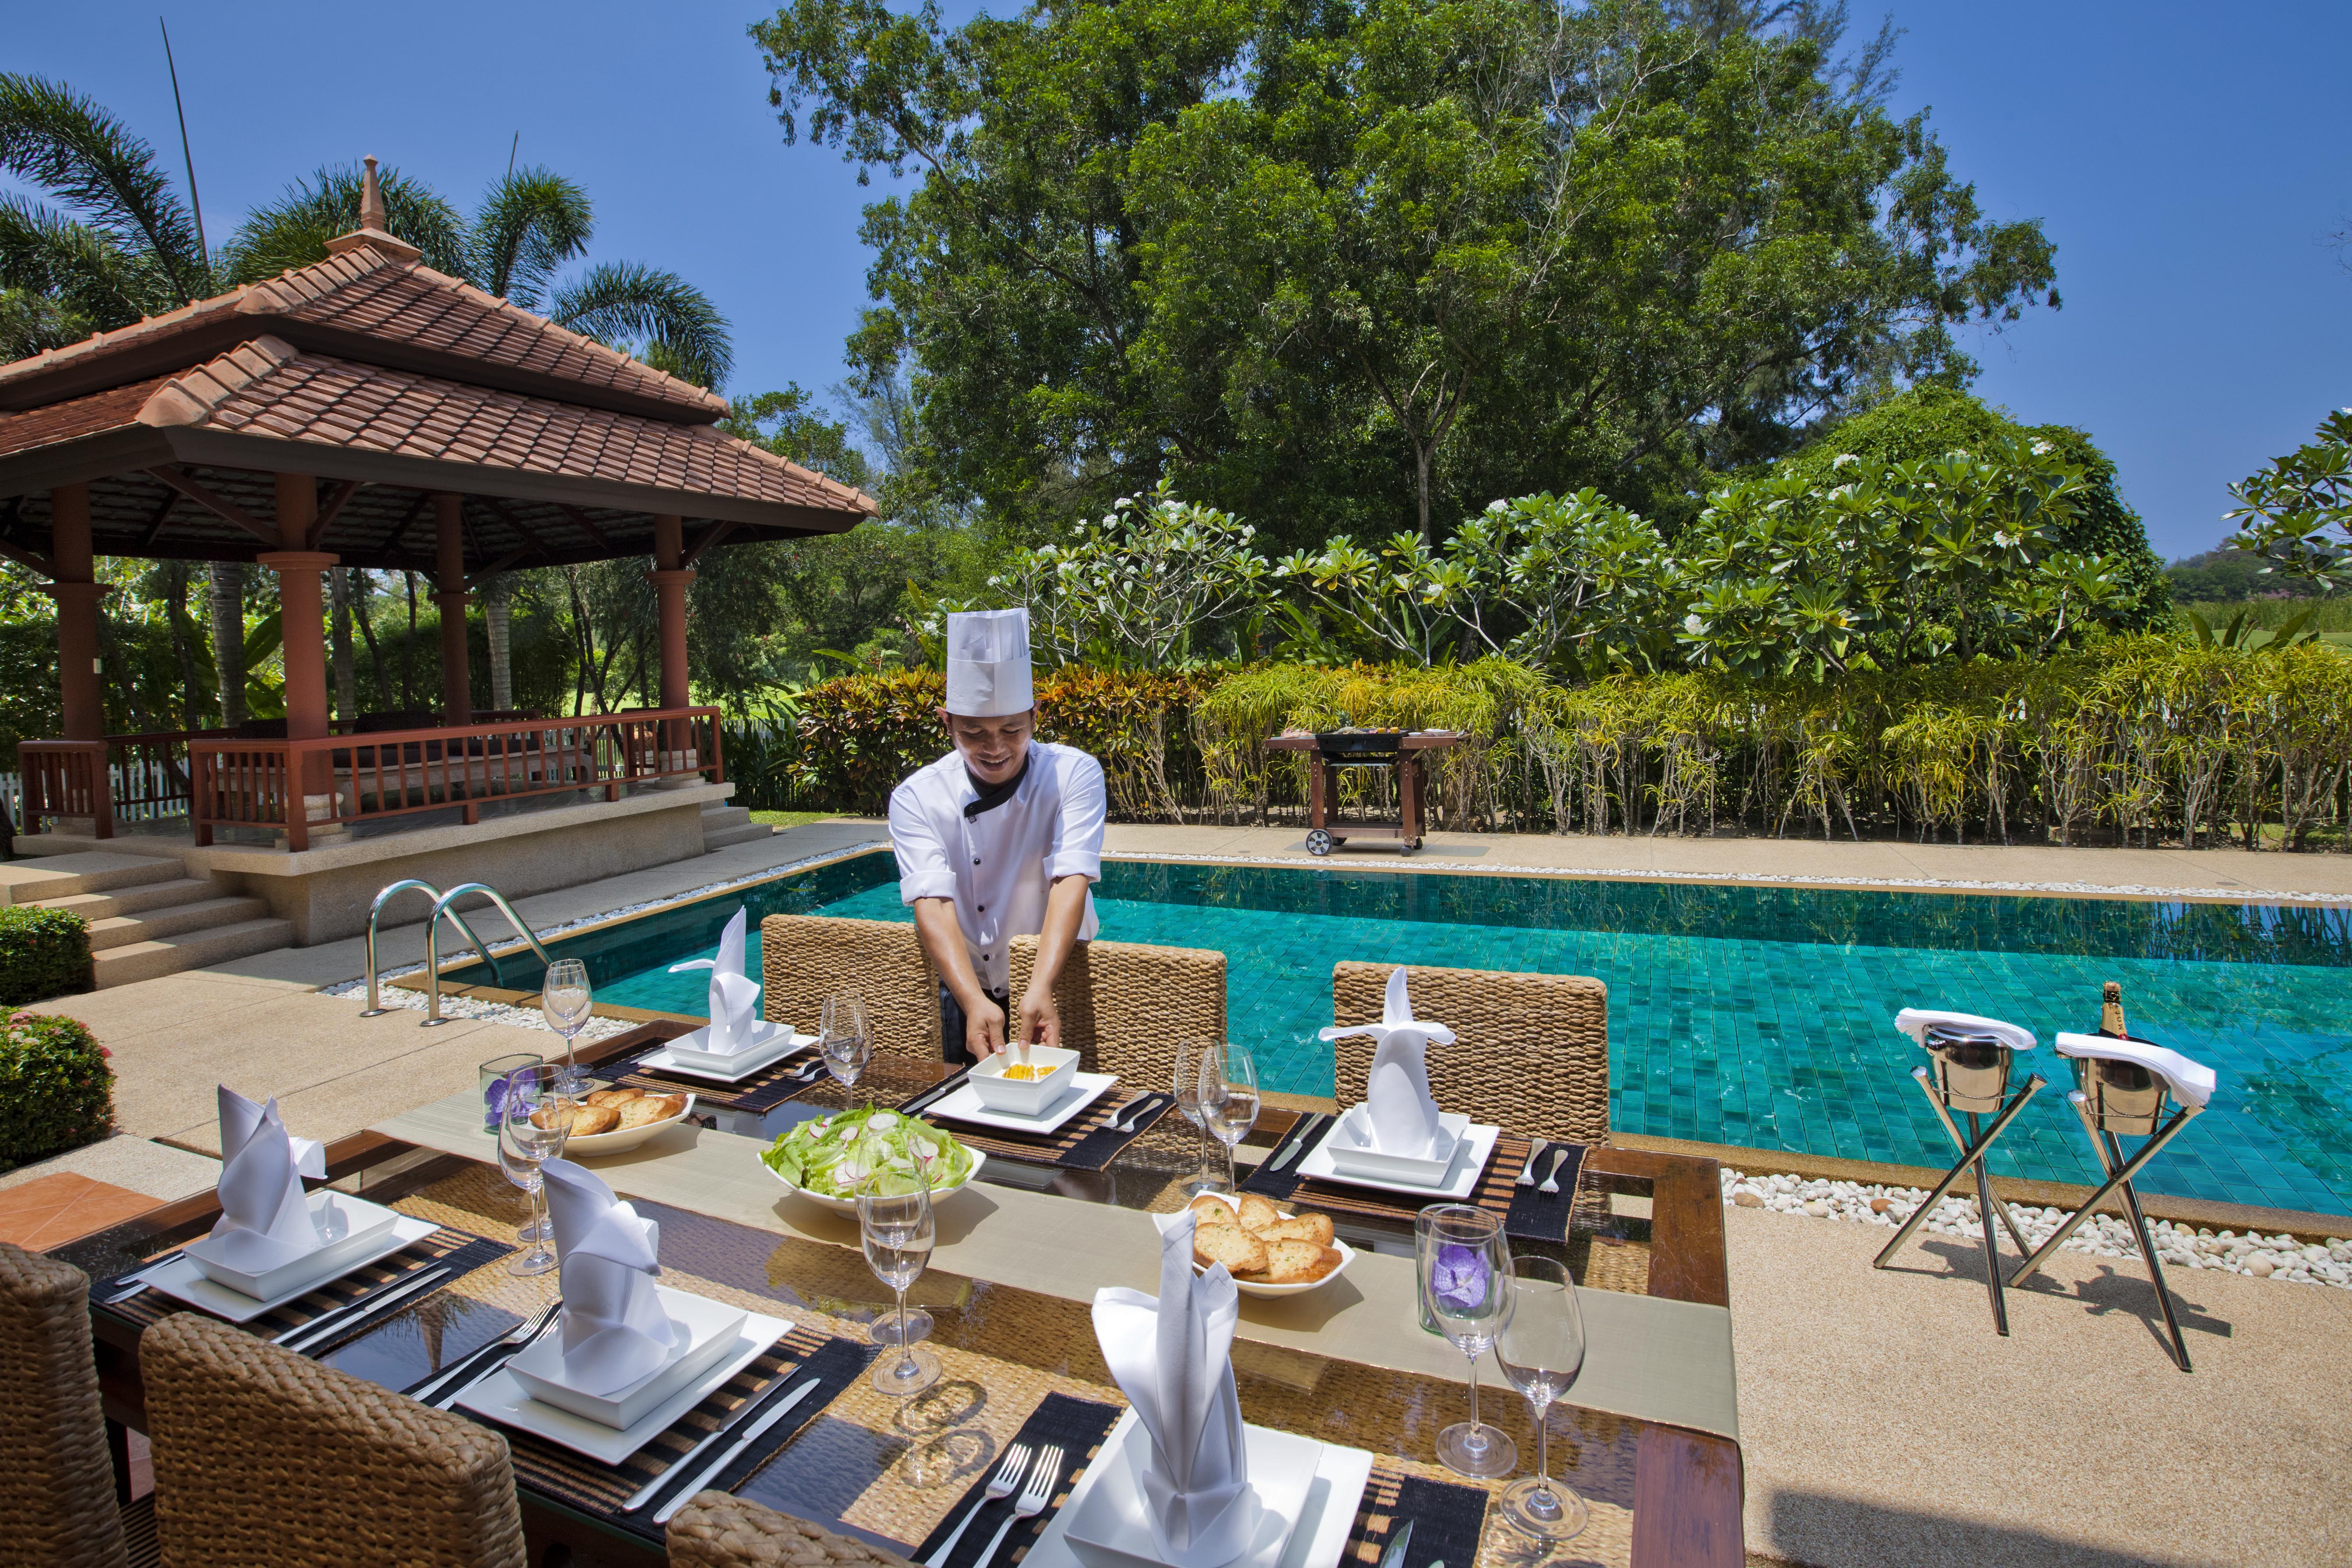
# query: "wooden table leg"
[1319,794]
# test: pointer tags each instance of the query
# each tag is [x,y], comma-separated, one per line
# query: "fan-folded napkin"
[2192,1082]
[1173,1358]
[614,1330]
[261,1197]
[734,1003]
[1917,1021]
[1396,1096]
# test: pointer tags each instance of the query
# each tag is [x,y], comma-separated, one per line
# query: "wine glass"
[565,997]
[1465,1288]
[1541,1350]
[1229,1099]
[894,1222]
[537,1120]
[843,1036]
[1185,1083]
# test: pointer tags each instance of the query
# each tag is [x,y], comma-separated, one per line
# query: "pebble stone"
[2252,1254]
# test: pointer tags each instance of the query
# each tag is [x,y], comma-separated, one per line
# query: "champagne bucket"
[1972,1071]
[2121,1098]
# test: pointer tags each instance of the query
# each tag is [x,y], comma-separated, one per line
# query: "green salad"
[831,1156]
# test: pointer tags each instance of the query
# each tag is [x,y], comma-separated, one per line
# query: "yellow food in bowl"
[1031,1074]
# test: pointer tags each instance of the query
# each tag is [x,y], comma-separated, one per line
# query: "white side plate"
[181,1280]
[1470,1155]
[963,1104]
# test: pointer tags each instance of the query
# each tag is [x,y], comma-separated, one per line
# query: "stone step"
[724,837]
[716,816]
[137,898]
[67,875]
[175,921]
[171,955]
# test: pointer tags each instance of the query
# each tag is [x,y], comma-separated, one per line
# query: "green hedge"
[56,1091]
[43,953]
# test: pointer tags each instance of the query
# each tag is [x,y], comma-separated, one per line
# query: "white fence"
[152,778]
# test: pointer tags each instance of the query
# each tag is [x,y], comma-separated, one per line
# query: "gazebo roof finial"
[375,232]
[371,215]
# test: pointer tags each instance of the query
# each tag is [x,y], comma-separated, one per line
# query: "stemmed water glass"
[1465,1289]
[536,1119]
[1185,1083]
[565,998]
[1541,1350]
[894,1222]
[1229,1098]
[843,1036]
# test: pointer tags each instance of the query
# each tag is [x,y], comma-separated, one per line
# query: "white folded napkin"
[1917,1021]
[734,1002]
[2192,1082]
[1397,1098]
[614,1330]
[1173,1358]
[263,1205]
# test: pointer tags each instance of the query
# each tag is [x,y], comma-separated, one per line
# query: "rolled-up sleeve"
[1078,835]
[924,870]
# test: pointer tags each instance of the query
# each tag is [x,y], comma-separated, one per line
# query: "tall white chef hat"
[988,664]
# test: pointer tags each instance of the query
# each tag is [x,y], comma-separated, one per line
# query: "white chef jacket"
[998,865]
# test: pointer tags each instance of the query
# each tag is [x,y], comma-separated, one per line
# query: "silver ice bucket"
[1972,1071]
[2122,1098]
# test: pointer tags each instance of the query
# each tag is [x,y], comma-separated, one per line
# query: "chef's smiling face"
[994,749]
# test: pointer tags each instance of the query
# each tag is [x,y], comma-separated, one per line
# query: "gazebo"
[369,410]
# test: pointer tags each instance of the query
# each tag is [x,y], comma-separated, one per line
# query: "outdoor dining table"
[1650,1437]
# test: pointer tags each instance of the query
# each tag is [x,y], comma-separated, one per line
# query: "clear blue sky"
[2190,160]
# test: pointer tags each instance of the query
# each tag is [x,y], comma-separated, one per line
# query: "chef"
[1001,837]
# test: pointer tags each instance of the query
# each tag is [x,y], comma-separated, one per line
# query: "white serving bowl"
[849,1205]
[1024,1097]
[621,1139]
[1353,1152]
[349,1229]
[713,1328]
[1255,1288]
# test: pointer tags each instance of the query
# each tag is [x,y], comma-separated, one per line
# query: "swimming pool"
[1760,1017]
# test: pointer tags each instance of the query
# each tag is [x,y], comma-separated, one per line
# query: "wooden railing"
[297,786]
[67,778]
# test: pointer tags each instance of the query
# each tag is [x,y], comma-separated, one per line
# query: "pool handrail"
[375,1007]
[433,943]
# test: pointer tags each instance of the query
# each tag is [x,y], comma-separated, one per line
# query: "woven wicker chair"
[1124,1006]
[56,1486]
[264,1457]
[715,1530]
[806,957]
[1533,1055]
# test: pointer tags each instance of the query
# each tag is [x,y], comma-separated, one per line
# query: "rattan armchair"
[262,1456]
[57,1485]
[715,1530]
[803,958]
[1532,1052]
[1124,1004]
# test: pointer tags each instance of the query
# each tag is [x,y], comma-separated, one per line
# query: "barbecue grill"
[1353,748]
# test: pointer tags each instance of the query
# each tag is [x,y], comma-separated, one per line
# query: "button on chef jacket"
[998,865]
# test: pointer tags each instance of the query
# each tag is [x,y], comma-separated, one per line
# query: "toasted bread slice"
[1293,1262]
[613,1097]
[1257,1214]
[1230,1244]
[1213,1210]
[1314,1227]
[587,1121]
[649,1108]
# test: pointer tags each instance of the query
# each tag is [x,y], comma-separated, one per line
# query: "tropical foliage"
[56,1091]
[43,953]
[2297,512]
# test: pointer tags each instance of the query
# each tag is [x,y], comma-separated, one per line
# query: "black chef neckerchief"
[993,795]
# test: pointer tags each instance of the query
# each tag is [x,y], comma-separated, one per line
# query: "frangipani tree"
[2298,511]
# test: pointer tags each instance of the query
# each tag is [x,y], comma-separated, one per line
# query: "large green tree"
[1354,263]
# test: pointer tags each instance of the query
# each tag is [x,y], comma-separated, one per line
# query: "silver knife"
[1300,1145]
[644,1494]
[927,1099]
[781,1408]
[1394,1556]
[303,1335]
[126,1286]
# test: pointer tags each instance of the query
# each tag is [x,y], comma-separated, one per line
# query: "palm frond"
[63,143]
[293,230]
[625,303]
[30,323]
[79,267]
[531,223]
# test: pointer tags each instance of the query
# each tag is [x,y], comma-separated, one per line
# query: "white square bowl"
[1352,1149]
[347,1226]
[1111,1526]
[770,1042]
[712,1329]
[1020,1097]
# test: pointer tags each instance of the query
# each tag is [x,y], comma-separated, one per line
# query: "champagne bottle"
[2110,1011]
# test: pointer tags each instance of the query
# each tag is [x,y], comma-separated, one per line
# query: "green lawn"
[792,819]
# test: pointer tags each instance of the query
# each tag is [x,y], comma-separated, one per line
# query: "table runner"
[1526,1214]
[462,1250]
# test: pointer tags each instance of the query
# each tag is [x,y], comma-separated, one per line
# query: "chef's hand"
[983,1028]
[1041,1021]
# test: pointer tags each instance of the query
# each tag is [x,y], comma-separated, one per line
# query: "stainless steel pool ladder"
[442,910]
[1971,1076]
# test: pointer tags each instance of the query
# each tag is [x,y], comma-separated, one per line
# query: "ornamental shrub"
[56,1091]
[43,953]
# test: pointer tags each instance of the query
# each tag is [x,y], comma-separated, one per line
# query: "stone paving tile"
[54,1210]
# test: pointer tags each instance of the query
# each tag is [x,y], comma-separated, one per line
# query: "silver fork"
[999,1486]
[1549,1185]
[444,1394]
[1043,1477]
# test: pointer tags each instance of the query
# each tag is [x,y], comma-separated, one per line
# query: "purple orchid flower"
[494,1104]
[1459,1278]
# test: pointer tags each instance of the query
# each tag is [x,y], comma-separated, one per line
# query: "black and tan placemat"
[1536,1214]
[1526,1214]
[763,1091]
[461,1251]
[600,1490]
[1447,1518]
[1077,1427]
[1085,1142]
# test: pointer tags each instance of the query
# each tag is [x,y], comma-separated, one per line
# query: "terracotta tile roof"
[108,410]
[367,297]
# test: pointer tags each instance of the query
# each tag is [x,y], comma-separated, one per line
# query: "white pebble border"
[2252,1253]
[476,1007]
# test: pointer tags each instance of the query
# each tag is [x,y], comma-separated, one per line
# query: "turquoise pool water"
[1758,1017]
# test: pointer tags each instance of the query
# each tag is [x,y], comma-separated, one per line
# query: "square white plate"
[963,1104]
[726,1069]
[1471,1152]
[711,1328]
[355,1223]
[181,1280]
[502,1399]
[1353,1150]
[1317,1532]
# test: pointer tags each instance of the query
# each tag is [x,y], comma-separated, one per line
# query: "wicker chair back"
[715,1530]
[262,1456]
[806,957]
[57,1485]
[1124,1004]
[1533,1051]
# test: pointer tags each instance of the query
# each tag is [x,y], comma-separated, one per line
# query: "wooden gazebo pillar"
[449,594]
[73,569]
[671,578]
[304,639]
